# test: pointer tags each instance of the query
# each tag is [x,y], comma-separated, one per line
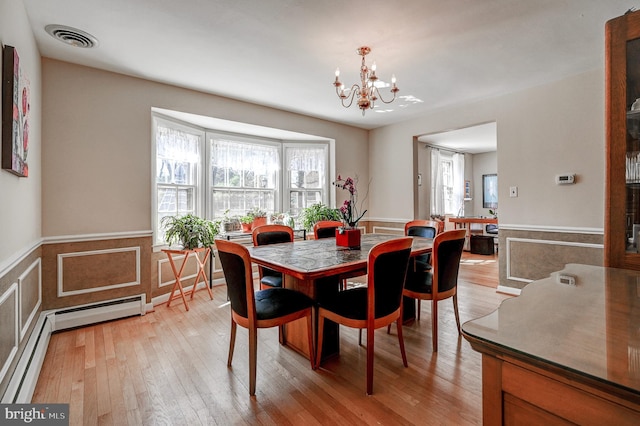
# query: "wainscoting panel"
[30,291]
[527,255]
[20,304]
[9,333]
[119,267]
[89,271]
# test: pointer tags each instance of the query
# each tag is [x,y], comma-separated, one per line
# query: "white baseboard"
[25,376]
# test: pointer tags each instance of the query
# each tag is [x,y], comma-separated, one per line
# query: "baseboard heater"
[99,312]
[24,378]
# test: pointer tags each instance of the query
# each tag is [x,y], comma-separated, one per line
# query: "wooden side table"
[178,272]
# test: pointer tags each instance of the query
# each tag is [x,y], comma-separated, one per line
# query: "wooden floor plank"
[169,367]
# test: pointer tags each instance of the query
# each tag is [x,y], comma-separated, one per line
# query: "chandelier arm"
[353,92]
[382,99]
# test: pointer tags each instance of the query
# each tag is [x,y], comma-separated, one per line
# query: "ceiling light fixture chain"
[367,92]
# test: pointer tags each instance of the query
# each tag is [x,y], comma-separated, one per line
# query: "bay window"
[232,174]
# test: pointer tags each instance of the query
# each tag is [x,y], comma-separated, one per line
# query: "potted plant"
[349,234]
[259,216]
[230,223]
[277,218]
[246,222]
[190,231]
[317,212]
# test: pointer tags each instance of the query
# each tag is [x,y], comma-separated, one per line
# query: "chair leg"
[253,354]
[434,324]
[359,337]
[419,309]
[370,335]
[320,337]
[455,311]
[310,337]
[232,342]
[401,341]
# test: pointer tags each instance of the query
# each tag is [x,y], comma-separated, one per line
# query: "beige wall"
[541,132]
[97,177]
[20,197]
[20,212]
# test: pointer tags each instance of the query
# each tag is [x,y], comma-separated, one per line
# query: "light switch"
[513,191]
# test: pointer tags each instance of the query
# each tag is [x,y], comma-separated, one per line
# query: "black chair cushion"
[423,263]
[277,302]
[326,232]
[271,280]
[273,237]
[350,303]
[419,281]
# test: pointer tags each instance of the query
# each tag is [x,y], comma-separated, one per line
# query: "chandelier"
[367,93]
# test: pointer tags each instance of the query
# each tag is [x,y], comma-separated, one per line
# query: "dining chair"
[426,229]
[421,228]
[272,307]
[271,234]
[375,306]
[327,229]
[441,282]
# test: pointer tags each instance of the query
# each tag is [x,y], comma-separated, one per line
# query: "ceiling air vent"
[72,36]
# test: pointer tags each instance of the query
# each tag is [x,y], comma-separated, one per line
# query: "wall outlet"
[513,191]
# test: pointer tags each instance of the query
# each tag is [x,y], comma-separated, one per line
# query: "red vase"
[348,238]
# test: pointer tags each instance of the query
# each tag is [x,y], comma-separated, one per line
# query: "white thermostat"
[565,179]
[567,279]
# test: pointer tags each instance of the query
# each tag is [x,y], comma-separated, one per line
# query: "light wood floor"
[169,368]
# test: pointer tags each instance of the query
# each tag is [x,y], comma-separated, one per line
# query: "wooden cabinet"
[563,353]
[622,190]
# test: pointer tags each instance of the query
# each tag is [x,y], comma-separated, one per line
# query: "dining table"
[314,267]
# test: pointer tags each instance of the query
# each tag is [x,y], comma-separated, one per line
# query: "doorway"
[479,145]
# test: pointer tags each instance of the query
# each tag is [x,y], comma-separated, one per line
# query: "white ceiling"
[283,53]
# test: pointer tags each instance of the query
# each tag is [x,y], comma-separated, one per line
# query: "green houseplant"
[259,216]
[317,212]
[246,222]
[190,231]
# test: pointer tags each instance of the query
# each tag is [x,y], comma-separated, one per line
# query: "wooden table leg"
[295,333]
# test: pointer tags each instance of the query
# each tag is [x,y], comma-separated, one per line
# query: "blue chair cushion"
[272,280]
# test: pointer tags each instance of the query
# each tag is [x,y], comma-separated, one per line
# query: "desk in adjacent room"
[465,222]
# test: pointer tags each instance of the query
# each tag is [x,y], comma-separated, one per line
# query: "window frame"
[157,120]
[203,203]
[210,136]
[286,181]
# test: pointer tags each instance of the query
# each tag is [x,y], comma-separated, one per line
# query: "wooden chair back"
[325,228]
[272,234]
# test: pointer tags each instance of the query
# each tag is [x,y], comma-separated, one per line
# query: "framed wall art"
[490,191]
[15,114]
